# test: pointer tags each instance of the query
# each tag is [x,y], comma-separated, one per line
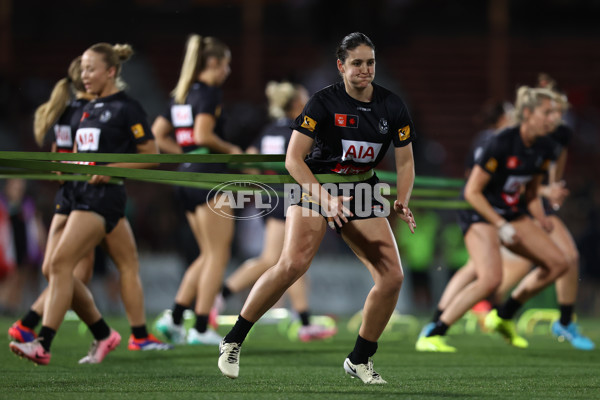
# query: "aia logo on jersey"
[360,152]
[84,115]
[181,115]
[513,162]
[346,120]
[62,134]
[88,139]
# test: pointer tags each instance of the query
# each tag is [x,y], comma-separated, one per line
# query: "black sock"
[566,314]
[100,329]
[363,349]
[305,318]
[201,323]
[177,313]
[225,291]
[436,315]
[139,332]
[47,336]
[509,308]
[31,319]
[439,329]
[240,330]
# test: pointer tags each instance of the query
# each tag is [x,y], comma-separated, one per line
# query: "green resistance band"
[171,176]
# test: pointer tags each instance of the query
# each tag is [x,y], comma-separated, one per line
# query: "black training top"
[112,124]
[201,99]
[67,124]
[477,147]
[512,165]
[351,136]
[275,137]
[562,135]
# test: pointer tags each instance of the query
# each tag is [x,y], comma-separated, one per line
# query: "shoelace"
[93,348]
[234,353]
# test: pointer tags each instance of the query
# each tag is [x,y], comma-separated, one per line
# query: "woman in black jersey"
[112,123]
[345,128]
[63,116]
[515,267]
[503,190]
[286,102]
[195,117]
[553,194]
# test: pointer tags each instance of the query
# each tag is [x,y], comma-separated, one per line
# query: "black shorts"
[106,200]
[466,218]
[190,197]
[63,202]
[364,204]
[548,209]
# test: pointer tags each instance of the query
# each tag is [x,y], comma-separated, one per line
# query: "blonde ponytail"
[47,114]
[189,69]
[280,96]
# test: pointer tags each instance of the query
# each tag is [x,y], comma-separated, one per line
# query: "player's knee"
[490,284]
[392,281]
[560,265]
[293,268]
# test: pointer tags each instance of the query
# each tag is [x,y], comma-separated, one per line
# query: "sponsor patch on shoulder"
[404,133]
[309,123]
[491,164]
[138,131]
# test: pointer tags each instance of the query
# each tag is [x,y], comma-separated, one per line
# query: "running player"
[111,123]
[63,116]
[195,116]
[515,267]
[286,102]
[503,190]
[345,128]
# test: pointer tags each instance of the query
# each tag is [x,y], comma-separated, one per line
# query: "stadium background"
[446,58]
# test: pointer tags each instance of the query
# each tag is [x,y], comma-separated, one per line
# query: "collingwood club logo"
[383,126]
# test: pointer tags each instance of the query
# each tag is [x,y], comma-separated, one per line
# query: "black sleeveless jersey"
[112,124]
[352,136]
[67,124]
[201,99]
[275,137]
[511,166]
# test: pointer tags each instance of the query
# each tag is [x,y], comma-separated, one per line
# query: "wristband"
[507,233]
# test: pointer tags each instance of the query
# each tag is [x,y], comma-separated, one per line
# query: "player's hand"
[337,212]
[556,193]
[546,224]
[405,215]
[99,179]
[508,234]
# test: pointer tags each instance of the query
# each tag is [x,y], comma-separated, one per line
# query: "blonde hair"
[198,50]
[281,96]
[530,98]
[47,114]
[114,56]
[544,80]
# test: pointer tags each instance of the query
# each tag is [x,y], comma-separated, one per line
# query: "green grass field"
[273,367]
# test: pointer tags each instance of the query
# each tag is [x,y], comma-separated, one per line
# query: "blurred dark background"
[446,58]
